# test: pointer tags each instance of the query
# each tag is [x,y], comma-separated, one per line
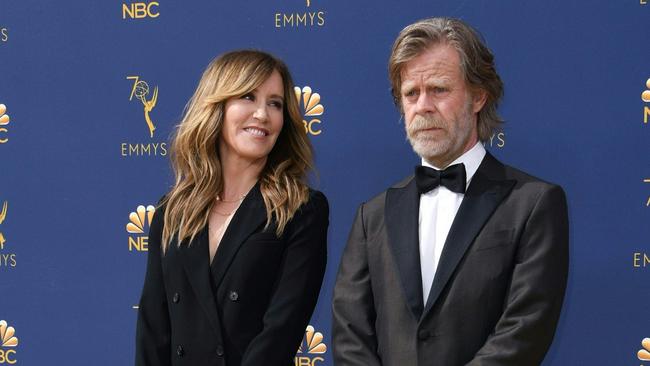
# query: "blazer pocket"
[494,239]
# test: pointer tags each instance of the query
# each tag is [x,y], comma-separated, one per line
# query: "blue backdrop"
[77,157]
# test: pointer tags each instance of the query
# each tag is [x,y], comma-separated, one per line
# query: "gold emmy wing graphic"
[139,218]
[3,213]
[3,216]
[7,338]
[647,180]
[4,120]
[141,90]
[314,342]
[644,354]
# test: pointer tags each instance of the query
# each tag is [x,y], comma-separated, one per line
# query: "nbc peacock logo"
[644,353]
[310,107]
[311,348]
[8,343]
[645,97]
[4,122]
[138,226]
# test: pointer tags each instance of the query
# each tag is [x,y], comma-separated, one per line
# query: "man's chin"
[428,153]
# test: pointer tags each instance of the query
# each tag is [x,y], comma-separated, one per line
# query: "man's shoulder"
[527,183]
[379,200]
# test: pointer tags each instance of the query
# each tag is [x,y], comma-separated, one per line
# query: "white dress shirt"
[438,209]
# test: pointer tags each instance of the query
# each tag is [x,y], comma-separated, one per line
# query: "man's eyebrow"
[406,84]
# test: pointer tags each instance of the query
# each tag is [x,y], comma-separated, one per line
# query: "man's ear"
[479,97]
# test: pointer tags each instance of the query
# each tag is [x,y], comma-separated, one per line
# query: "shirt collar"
[471,159]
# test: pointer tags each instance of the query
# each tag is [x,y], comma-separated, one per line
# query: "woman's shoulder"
[159,212]
[315,207]
[316,200]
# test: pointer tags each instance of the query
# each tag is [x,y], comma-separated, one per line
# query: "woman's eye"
[248,96]
[277,104]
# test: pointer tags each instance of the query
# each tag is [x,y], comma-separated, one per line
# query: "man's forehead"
[441,73]
[436,62]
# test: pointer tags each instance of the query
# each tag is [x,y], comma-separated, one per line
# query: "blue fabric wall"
[76,157]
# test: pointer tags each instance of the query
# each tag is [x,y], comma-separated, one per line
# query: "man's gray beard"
[431,148]
[427,147]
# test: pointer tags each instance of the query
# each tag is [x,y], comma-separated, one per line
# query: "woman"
[237,248]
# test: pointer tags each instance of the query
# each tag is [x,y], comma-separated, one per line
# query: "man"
[466,261]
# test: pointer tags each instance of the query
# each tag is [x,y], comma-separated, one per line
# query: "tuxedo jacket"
[252,309]
[497,292]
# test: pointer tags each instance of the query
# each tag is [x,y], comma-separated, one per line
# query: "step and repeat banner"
[90,93]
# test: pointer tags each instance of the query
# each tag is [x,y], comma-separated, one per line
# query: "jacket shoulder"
[316,201]
[376,204]
[528,181]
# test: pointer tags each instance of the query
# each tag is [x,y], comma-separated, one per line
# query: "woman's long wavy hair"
[195,154]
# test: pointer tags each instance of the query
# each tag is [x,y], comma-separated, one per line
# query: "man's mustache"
[422,123]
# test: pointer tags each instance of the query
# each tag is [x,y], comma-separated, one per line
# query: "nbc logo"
[7,341]
[4,121]
[140,10]
[139,222]
[310,107]
[645,96]
[644,353]
[312,344]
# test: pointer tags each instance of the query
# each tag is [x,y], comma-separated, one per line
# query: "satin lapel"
[248,218]
[197,267]
[484,194]
[401,215]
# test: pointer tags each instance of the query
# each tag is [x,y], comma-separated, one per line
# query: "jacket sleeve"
[298,287]
[354,339]
[525,331]
[152,346]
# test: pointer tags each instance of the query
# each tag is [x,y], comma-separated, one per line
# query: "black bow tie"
[453,178]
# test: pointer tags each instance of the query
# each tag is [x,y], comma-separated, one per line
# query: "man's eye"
[439,89]
[410,93]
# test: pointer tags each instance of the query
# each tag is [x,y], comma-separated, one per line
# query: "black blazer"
[266,290]
[497,292]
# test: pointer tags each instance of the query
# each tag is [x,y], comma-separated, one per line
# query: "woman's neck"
[239,176]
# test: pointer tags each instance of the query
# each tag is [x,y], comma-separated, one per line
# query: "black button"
[234,296]
[423,334]
[180,351]
[176,298]
[220,351]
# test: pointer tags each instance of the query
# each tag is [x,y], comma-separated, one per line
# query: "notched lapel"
[484,194]
[401,215]
[248,218]
[197,267]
